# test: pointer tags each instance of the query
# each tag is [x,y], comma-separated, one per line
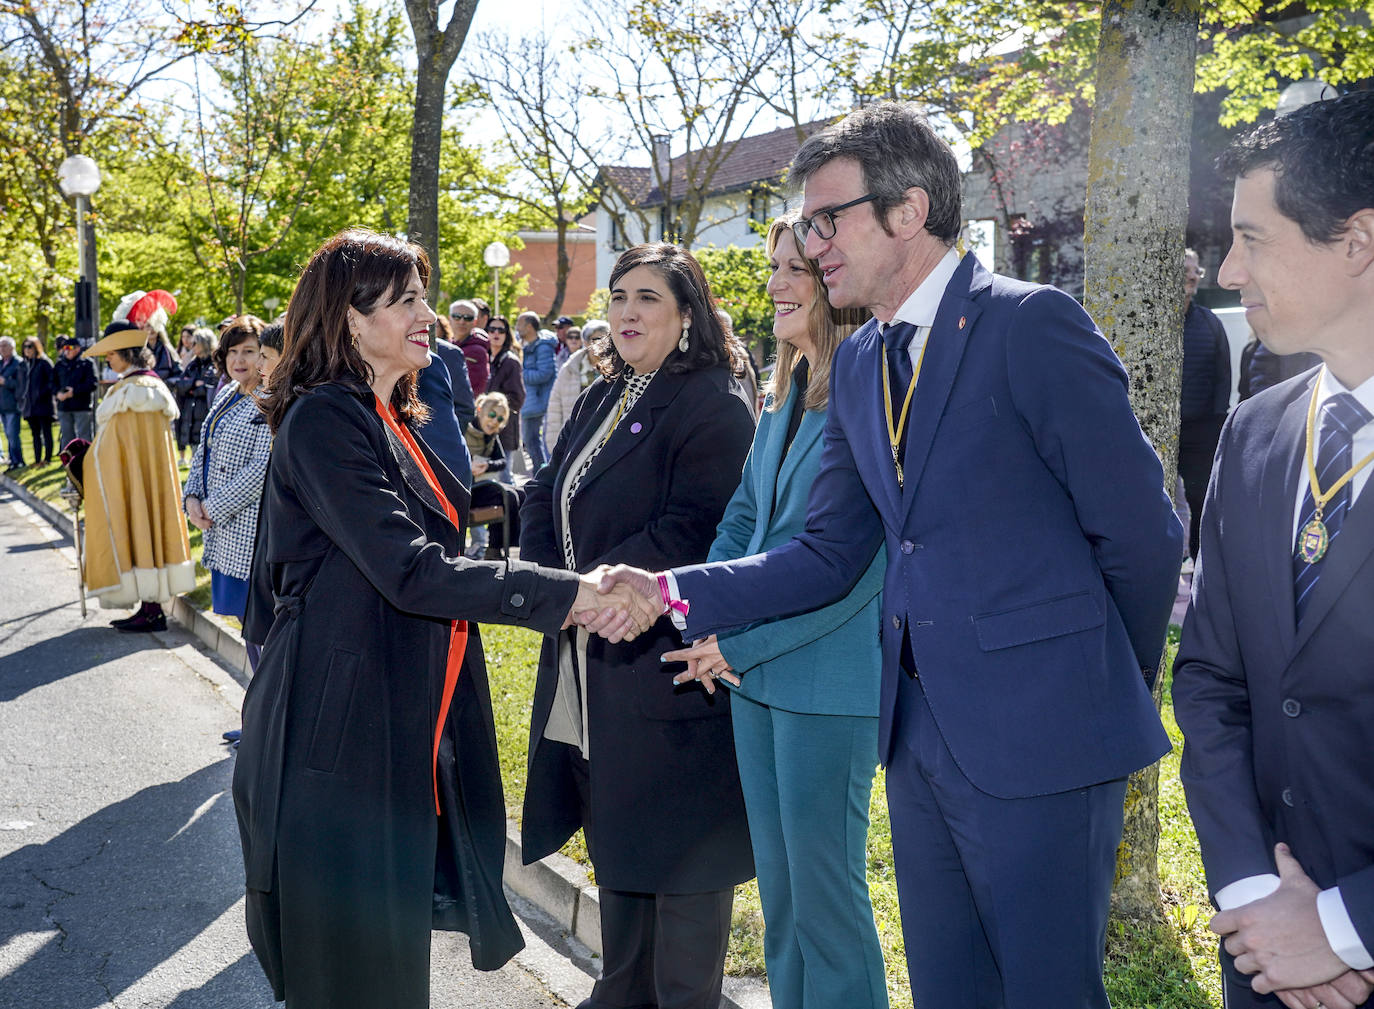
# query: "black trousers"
[42,438]
[658,950]
[1197,445]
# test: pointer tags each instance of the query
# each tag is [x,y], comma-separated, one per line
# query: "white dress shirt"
[1335,919]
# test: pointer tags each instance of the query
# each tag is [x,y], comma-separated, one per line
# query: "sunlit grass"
[1171,966]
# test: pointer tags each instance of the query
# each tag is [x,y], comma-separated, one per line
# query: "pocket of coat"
[1040,621]
[333,714]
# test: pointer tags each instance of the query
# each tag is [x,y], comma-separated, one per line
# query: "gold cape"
[136,543]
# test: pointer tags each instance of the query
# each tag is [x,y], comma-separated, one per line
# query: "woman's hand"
[618,614]
[479,467]
[195,511]
[704,663]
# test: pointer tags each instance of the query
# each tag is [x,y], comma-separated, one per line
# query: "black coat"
[193,400]
[356,574]
[508,378]
[38,389]
[666,813]
[78,375]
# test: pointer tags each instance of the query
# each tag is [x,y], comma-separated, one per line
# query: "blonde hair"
[488,399]
[829,326]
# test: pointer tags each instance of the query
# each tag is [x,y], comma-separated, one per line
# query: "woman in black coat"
[508,378]
[642,471]
[194,389]
[367,787]
[39,406]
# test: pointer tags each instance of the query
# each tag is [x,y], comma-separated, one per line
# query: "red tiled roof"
[760,158]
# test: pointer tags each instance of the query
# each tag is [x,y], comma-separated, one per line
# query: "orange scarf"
[458,637]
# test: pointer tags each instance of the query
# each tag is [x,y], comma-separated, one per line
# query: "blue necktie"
[897,339]
[1342,416]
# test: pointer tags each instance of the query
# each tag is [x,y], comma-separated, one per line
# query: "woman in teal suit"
[805,705]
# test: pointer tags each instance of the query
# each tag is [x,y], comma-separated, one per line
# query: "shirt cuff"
[679,617]
[1340,930]
[1244,891]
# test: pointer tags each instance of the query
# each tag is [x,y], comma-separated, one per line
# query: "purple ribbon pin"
[636,427]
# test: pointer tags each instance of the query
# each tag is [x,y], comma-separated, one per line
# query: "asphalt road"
[121,880]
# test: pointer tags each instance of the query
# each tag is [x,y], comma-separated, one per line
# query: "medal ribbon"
[1320,497]
[894,430]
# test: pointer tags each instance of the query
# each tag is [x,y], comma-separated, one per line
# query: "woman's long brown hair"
[356,268]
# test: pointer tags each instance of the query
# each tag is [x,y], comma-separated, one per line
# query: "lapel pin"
[636,427]
[962,320]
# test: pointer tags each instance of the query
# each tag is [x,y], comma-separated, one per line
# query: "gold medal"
[1313,541]
[1314,538]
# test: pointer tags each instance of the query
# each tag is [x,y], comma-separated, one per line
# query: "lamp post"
[496,255]
[79,177]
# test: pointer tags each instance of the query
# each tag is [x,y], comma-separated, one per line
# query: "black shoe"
[142,624]
[14,466]
[232,736]
[122,622]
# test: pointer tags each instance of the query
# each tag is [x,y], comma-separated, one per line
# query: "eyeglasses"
[498,329]
[494,415]
[464,318]
[823,221]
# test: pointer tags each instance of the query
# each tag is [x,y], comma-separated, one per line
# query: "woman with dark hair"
[39,407]
[224,485]
[508,378]
[194,388]
[805,707]
[640,475]
[137,549]
[367,787]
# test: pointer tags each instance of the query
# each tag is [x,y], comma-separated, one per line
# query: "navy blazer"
[1032,556]
[1279,722]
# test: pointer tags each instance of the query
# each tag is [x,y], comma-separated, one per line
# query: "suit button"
[1288,797]
[517,600]
[1291,707]
[896,622]
[908,546]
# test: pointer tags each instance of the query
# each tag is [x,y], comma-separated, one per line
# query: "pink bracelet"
[669,603]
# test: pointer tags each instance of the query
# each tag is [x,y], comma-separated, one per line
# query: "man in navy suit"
[1274,684]
[1032,561]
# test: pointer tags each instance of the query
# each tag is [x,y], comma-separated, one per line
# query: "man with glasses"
[979,428]
[472,340]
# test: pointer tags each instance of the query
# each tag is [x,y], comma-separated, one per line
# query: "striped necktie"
[1342,416]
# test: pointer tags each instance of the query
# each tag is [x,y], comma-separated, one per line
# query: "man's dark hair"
[273,335]
[896,149]
[1322,157]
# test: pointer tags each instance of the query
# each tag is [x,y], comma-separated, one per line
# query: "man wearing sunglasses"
[472,340]
[979,430]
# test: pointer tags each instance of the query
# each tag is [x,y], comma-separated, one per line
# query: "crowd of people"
[943,544]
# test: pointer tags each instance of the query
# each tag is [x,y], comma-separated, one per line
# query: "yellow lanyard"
[894,430]
[1320,497]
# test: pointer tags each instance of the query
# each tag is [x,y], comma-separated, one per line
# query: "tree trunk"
[426,137]
[560,286]
[1134,224]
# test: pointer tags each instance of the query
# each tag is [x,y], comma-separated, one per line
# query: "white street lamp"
[79,177]
[496,255]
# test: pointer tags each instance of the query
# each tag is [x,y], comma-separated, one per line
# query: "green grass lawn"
[1169,966]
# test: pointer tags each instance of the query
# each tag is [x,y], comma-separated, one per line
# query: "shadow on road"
[56,658]
[127,889]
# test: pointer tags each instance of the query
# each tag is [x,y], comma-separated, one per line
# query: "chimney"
[662,159]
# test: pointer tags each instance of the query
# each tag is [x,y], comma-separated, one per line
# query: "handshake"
[619,603]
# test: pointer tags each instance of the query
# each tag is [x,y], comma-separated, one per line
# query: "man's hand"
[1280,938]
[704,663]
[1349,991]
[617,612]
[643,582]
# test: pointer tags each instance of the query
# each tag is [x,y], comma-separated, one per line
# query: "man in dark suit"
[1032,560]
[1274,684]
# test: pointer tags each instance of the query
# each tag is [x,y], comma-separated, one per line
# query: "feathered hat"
[136,312]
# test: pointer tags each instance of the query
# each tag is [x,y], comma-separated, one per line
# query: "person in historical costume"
[137,550]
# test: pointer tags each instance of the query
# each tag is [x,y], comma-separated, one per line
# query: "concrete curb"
[556,885]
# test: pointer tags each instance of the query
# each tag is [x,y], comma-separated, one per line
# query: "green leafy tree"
[737,276]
